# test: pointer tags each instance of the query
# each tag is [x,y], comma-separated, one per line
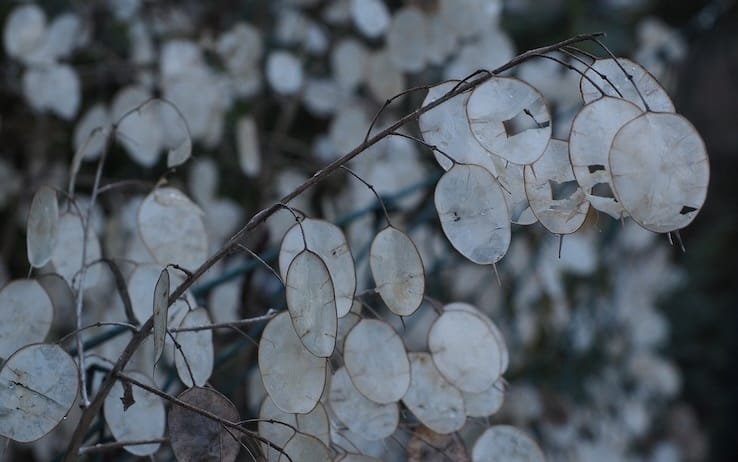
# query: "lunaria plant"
[340,379]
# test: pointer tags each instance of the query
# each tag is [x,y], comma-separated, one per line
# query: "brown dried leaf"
[428,446]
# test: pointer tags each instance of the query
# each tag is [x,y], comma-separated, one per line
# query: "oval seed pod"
[90,135]
[314,423]
[195,437]
[172,228]
[350,457]
[485,403]
[504,352]
[141,285]
[276,433]
[397,270]
[293,377]
[138,124]
[42,229]
[433,400]
[659,170]
[26,312]
[522,112]
[176,132]
[305,447]
[560,212]
[504,443]
[373,421]
[38,386]
[371,17]
[376,361]
[312,304]
[590,138]
[512,180]
[473,213]
[284,72]
[24,31]
[465,350]
[383,79]
[329,243]
[67,254]
[195,358]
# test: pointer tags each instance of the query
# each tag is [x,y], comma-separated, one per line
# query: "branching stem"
[92,411]
[119,445]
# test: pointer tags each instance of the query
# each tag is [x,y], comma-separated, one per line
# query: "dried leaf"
[127,399]
[426,445]
[196,438]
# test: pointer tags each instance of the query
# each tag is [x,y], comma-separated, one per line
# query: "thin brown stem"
[591,68]
[97,324]
[628,75]
[125,183]
[576,50]
[261,260]
[386,105]
[572,68]
[229,325]
[83,273]
[119,445]
[373,190]
[432,147]
[77,159]
[297,219]
[120,284]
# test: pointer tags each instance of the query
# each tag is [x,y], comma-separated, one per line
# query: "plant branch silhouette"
[233,245]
